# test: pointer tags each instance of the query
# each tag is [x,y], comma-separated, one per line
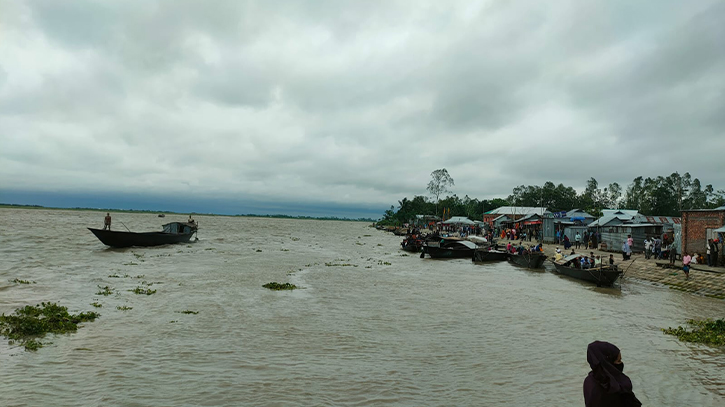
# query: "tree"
[439,184]
[612,193]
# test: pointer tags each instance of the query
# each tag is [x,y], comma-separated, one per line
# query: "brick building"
[698,225]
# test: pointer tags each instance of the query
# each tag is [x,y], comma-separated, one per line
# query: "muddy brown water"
[371,325]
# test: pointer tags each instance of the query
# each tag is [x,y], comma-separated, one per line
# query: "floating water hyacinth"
[706,331]
[278,286]
[139,290]
[29,323]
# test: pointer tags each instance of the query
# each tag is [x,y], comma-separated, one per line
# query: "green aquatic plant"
[259,250]
[114,276]
[705,331]
[32,345]
[278,286]
[130,264]
[105,291]
[29,323]
[97,304]
[340,265]
[146,291]
[189,312]
[19,281]
[124,308]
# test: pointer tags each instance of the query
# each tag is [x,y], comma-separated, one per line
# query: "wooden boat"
[412,244]
[489,254]
[449,249]
[601,276]
[529,260]
[174,232]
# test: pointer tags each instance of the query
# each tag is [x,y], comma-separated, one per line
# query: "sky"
[342,108]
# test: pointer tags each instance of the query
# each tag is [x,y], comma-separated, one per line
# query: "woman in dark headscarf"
[606,385]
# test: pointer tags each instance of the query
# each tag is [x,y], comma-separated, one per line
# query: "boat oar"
[124,225]
[625,270]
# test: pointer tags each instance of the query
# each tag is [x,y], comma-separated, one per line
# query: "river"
[370,326]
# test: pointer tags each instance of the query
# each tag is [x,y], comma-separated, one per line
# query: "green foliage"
[189,312]
[106,291]
[662,196]
[31,322]
[278,286]
[332,264]
[145,291]
[439,183]
[97,304]
[124,308]
[706,331]
[668,196]
[18,281]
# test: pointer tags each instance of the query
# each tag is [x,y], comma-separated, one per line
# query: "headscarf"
[607,386]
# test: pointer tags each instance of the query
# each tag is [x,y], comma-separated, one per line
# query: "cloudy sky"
[344,107]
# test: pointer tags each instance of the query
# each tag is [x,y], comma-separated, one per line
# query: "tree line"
[658,196]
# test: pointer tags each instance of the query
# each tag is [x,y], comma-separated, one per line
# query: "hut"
[425,220]
[568,222]
[513,213]
[616,225]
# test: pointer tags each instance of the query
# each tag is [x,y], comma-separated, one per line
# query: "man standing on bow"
[107,221]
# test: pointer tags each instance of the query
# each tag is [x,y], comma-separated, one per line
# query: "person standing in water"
[607,385]
[107,221]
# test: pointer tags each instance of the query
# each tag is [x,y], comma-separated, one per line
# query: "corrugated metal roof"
[578,212]
[529,216]
[517,210]
[604,220]
[613,212]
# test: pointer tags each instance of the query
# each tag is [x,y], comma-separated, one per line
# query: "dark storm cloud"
[355,103]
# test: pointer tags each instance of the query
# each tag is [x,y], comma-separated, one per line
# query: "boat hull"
[116,238]
[490,255]
[528,260]
[448,252]
[601,277]
[413,248]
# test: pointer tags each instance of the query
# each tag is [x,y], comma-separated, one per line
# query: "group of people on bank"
[518,234]
[589,240]
[520,249]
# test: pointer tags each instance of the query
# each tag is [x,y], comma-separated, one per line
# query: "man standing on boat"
[107,221]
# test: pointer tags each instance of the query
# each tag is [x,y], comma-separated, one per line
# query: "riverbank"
[704,280]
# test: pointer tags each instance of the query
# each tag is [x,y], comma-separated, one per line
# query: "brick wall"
[694,228]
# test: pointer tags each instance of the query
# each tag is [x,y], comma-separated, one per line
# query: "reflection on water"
[372,326]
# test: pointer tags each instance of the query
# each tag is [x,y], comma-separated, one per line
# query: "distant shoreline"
[278,216]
